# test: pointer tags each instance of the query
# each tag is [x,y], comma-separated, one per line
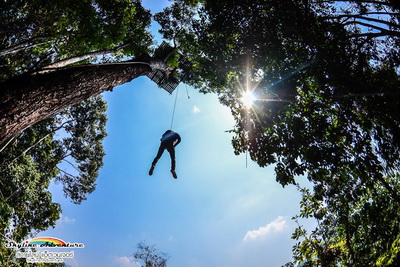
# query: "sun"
[247,98]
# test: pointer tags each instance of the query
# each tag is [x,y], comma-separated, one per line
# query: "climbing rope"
[246,158]
[173,112]
[187,92]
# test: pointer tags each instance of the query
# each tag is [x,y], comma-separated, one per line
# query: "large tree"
[53,56]
[45,47]
[325,75]
[55,59]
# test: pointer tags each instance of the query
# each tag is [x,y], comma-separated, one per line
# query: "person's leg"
[171,151]
[158,156]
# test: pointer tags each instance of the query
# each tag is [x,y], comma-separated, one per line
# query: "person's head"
[168,131]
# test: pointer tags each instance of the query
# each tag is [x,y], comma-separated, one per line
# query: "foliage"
[7,258]
[67,147]
[352,231]
[85,124]
[33,159]
[327,91]
[37,33]
[326,75]
[150,256]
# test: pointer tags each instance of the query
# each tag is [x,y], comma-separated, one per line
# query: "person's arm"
[179,140]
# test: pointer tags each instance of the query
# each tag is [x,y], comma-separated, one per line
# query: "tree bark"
[30,98]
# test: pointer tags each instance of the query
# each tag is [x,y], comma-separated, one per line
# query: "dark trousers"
[170,148]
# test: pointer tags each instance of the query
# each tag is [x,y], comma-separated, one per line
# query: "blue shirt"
[171,138]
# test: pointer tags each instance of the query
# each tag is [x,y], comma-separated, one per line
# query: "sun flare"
[248,99]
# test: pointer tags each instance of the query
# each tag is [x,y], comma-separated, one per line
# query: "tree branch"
[70,163]
[352,1]
[13,193]
[36,143]
[48,69]
[9,141]
[365,24]
[388,23]
[72,60]
[2,196]
[29,148]
[348,235]
[22,46]
[383,31]
[362,14]
[394,194]
[370,35]
[66,173]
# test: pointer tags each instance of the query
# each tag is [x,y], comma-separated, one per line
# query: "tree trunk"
[29,98]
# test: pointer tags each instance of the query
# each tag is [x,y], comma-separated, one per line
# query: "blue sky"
[217,213]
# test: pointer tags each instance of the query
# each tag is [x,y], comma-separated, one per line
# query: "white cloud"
[127,262]
[65,220]
[278,225]
[71,262]
[196,109]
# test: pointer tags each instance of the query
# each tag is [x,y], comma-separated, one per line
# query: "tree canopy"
[38,156]
[45,48]
[150,256]
[325,78]
[324,75]
[55,59]
[36,33]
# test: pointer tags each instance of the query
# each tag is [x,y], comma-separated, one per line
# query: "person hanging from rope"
[169,141]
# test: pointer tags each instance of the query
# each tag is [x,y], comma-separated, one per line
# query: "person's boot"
[174,174]
[151,170]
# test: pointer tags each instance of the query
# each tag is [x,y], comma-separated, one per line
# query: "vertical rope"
[187,92]
[246,158]
[173,112]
